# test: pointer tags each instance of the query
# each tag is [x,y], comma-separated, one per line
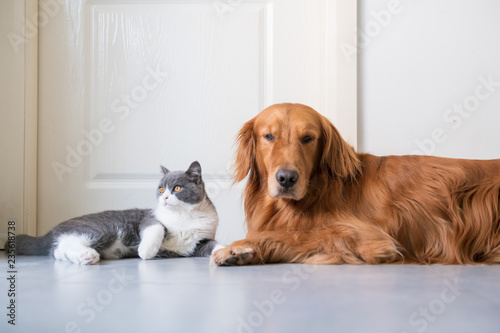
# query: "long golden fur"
[335,206]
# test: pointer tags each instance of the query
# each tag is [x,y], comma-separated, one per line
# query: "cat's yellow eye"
[161,190]
[177,188]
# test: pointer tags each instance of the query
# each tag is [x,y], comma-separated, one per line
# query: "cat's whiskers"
[154,205]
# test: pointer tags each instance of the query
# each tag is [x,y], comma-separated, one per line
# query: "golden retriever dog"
[310,198]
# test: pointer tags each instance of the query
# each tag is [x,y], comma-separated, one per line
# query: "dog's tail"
[31,246]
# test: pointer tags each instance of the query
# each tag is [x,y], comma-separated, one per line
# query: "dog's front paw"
[232,255]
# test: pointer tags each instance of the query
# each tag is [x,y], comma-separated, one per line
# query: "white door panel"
[126,86]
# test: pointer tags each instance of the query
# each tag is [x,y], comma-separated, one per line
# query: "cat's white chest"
[186,227]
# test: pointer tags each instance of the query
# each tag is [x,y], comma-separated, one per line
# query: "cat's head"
[181,187]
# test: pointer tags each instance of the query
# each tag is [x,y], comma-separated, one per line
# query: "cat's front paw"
[147,252]
[232,255]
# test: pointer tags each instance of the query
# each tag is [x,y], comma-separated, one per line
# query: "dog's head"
[285,145]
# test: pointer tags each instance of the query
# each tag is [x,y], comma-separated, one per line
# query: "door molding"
[30,123]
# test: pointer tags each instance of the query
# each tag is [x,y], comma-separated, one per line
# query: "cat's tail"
[32,246]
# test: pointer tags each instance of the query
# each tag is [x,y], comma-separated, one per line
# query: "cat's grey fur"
[183,224]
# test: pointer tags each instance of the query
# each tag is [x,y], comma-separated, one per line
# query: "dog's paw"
[232,255]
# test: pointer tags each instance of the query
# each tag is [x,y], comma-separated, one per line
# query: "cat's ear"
[164,170]
[194,172]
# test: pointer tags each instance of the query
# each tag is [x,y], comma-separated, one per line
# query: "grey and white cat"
[183,224]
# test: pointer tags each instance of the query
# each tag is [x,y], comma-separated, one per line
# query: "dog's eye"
[306,139]
[269,137]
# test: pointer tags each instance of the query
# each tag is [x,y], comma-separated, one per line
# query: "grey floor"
[186,295]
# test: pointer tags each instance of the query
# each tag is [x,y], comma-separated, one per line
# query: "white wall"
[422,70]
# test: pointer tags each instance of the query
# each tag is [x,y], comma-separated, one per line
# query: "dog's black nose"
[287,178]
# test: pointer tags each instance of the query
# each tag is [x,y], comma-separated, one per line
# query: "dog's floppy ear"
[245,153]
[338,157]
